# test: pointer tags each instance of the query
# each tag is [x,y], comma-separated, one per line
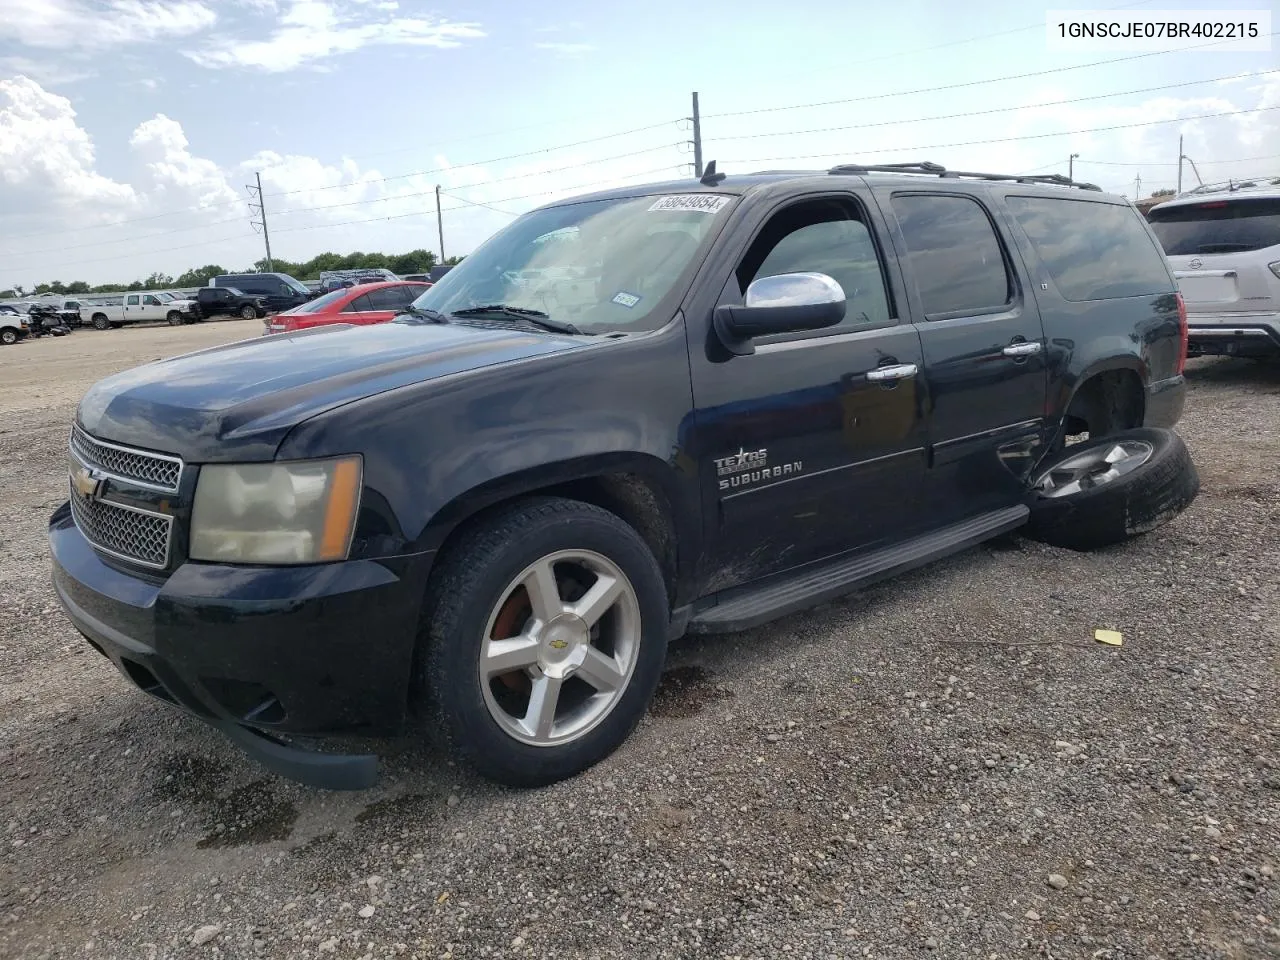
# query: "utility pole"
[1179,193]
[1137,186]
[440,224]
[697,138]
[260,206]
[1071,166]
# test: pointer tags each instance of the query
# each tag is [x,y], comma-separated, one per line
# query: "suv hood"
[237,402]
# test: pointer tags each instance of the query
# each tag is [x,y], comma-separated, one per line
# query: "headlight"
[299,512]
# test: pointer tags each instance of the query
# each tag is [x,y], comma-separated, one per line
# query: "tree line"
[415,261]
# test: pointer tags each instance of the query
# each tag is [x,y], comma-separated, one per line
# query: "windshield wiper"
[535,317]
[434,316]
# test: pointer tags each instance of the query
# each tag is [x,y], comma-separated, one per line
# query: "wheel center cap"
[563,640]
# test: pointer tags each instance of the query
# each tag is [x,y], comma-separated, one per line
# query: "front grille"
[149,469]
[124,532]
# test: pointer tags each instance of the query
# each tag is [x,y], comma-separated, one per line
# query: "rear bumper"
[1165,402]
[1227,335]
[315,650]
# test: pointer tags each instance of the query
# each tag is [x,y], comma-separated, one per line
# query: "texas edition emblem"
[747,467]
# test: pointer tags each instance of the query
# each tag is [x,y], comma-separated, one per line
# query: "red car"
[364,304]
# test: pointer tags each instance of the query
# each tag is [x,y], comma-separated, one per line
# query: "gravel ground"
[946,764]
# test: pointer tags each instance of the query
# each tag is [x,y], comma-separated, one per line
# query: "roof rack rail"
[1231,186]
[936,169]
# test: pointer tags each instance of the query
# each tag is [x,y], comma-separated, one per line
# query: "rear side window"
[955,256]
[385,298]
[1238,225]
[1093,251]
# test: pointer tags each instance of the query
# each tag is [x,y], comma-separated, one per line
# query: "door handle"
[898,371]
[1022,349]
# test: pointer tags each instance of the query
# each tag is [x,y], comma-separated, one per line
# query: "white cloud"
[175,176]
[45,152]
[78,24]
[311,30]
[567,49]
[47,71]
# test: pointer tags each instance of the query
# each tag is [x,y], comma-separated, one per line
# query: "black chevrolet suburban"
[686,407]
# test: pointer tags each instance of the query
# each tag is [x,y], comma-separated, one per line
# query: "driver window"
[823,236]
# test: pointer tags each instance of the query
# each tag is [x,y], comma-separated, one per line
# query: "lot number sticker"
[625,299]
[693,202]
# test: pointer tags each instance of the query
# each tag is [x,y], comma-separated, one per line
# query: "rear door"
[1222,251]
[984,350]
[133,308]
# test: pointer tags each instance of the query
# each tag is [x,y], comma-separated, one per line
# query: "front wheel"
[547,631]
[248,312]
[8,336]
[1105,491]
[100,321]
[174,318]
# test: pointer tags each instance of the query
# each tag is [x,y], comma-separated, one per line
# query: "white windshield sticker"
[696,202]
[628,300]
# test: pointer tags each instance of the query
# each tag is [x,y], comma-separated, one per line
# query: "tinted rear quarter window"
[956,258]
[1092,250]
[1238,225]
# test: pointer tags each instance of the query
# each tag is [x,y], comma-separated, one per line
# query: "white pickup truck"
[140,307]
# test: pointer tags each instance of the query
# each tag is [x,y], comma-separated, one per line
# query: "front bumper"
[256,651]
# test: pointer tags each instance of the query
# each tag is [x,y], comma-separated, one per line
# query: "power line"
[526,196]
[968,83]
[351,203]
[476,163]
[981,113]
[861,62]
[1167,163]
[1032,136]
[355,183]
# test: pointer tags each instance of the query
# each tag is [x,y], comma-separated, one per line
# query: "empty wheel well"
[1106,403]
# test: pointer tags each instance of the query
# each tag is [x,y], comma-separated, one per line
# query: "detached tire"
[548,603]
[1105,491]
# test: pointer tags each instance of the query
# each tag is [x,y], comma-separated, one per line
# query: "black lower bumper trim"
[328,771]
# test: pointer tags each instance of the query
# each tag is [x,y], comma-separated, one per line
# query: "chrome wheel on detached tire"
[1094,467]
[560,647]
[1106,490]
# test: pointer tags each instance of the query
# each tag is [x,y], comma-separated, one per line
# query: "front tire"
[248,313]
[100,322]
[8,336]
[1105,491]
[546,635]
[174,318]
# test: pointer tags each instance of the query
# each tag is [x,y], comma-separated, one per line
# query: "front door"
[133,308]
[801,454]
[984,349]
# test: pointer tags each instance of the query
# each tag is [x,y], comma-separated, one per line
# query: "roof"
[1261,188]
[897,174]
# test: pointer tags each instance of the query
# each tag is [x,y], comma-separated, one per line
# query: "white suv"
[1223,242]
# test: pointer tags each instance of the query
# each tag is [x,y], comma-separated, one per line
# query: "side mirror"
[786,303]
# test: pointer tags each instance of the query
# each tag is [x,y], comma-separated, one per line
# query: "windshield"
[320,303]
[1218,226]
[601,265]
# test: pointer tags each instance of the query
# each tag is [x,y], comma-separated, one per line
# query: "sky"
[130,129]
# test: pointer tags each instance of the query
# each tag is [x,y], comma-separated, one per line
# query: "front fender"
[436,452]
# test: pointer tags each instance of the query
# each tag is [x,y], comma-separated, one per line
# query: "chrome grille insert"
[154,470]
[128,533]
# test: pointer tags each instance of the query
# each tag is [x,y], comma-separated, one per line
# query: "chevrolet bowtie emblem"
[86,482]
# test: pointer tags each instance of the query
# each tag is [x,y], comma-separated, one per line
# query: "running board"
[746,607]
